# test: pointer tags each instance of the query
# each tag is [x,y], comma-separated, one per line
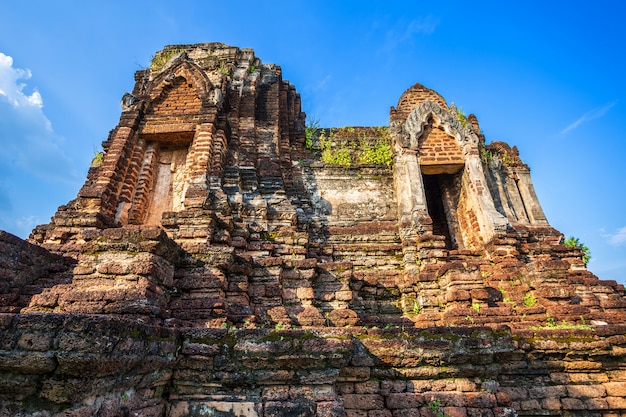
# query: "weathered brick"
[616,403]
[615,389]
[404,400]
[455,411]
[572,404]
[551,403]
[480,399]
[586,391]
[369,387]
[363,401]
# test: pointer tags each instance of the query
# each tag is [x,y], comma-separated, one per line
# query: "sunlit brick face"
[439,153]
[169,183]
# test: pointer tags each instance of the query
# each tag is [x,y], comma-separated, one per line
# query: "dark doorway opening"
[436,188]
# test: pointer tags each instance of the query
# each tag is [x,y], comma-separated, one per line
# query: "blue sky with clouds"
[545,76]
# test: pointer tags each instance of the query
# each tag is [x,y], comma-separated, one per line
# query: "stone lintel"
[441,168]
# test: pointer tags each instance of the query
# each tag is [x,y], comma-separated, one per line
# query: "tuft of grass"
[459,114]
[529,299]
[564,325]
[97,159]
[416,308]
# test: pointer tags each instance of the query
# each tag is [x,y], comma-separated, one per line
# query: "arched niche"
[449,183]
[175,134]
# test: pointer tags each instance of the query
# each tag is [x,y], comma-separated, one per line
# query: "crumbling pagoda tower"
[264,268]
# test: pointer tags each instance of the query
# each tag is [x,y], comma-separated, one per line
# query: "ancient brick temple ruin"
[223,260]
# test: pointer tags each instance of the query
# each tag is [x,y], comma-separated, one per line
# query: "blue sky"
[545,76]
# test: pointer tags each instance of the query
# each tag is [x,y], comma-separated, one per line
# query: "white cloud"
[619,237]
[35,99]
[34,165]
[29,144]
[590,115]
[12,88]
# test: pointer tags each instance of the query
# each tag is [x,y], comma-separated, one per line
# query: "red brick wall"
[439,148]
[412,98]
[181,98]
[176,109]
[468,222]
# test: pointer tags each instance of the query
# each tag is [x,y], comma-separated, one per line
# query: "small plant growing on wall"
[529,299]
[416,308]
[574,241]
[337,154]
[378,154]
[97,159]
[509,156]
[459,114]
[339,147]
[435,407]
[161,58]
[485,156]
[312,126]
[551,323]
